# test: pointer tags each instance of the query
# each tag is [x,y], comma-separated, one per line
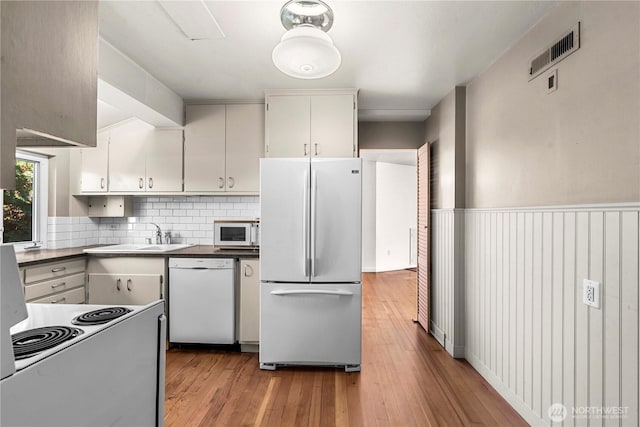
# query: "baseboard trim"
[525,412]
[459,352]
[437,333]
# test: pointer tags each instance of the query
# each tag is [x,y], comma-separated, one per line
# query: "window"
[24,210]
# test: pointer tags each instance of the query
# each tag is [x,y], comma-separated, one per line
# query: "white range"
[80,364]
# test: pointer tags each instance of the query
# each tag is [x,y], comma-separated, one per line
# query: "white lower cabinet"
[61,282]
[249,322]
[125,289]
[125,280]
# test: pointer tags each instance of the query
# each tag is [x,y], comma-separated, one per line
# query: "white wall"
[395,215]
[577,145]
[529,155]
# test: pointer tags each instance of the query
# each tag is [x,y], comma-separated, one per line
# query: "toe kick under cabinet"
[125,280]
[61,282]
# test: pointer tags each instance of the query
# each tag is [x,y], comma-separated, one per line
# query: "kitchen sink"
[133,248]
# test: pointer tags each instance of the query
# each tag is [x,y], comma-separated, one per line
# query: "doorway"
[389,209]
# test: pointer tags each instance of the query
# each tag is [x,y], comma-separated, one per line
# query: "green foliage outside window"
[18,205]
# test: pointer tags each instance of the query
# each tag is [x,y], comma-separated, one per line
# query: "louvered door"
[424,282]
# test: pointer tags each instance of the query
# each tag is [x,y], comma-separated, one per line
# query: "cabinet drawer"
[41,289]
[51,271]
[74,296]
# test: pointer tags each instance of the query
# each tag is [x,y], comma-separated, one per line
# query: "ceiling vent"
[556,52]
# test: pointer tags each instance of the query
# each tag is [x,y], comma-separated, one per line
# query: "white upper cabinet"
[95,166]
[244,146]
[164,160]
[222,148]
[204,148]
[333,126]
[127,149]
[143,158]
[288,126]
[311,124]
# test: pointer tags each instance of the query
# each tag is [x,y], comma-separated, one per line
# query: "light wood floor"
[407,379]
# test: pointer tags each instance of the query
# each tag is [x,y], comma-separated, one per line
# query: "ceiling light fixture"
[306,51]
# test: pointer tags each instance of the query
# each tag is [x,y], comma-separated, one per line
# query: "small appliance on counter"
[77,364]
[230,233]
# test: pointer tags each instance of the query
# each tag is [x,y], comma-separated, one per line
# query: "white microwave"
[236,233]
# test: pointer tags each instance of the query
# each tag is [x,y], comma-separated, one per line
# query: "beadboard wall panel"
[447,279]
[527,330]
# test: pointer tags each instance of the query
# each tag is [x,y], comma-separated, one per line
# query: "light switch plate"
[591,293]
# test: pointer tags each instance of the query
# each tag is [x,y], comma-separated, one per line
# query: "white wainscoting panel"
[527,330]
[447,279]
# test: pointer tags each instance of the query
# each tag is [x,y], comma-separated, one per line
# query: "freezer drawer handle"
[311,292]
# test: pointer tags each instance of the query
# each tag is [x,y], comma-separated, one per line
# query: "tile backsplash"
[188,218]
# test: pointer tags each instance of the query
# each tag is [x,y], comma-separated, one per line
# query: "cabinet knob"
[118,284]
[102,183]
[231,182]
[248,271]
[316,149]
[63,299]
[140,183]
[129,285]
[305,149]
[221,182]
[150,182]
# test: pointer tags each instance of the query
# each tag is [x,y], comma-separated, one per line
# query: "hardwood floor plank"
[407,379]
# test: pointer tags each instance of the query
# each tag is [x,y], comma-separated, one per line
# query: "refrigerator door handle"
[314,207]
[310,292]
[305,224]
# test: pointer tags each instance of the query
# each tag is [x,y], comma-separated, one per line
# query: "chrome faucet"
[158,234]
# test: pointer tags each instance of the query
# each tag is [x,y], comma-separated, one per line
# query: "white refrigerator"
[310,262]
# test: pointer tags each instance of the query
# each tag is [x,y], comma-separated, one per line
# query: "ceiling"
[404,56]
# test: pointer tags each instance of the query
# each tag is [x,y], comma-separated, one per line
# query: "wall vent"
[556,52]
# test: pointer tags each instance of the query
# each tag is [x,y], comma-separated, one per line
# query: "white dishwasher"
[201,300]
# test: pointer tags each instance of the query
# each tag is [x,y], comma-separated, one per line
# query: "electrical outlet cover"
[591,293]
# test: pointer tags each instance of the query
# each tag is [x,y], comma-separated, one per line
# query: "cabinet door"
[164,160]
[287,126]
[249,301]
[244,147]
[94,166]
[127,157]
[105,289]
[332,125]
[140,289]
[204,148]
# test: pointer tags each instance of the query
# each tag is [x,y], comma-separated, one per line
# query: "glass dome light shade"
[306,52]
